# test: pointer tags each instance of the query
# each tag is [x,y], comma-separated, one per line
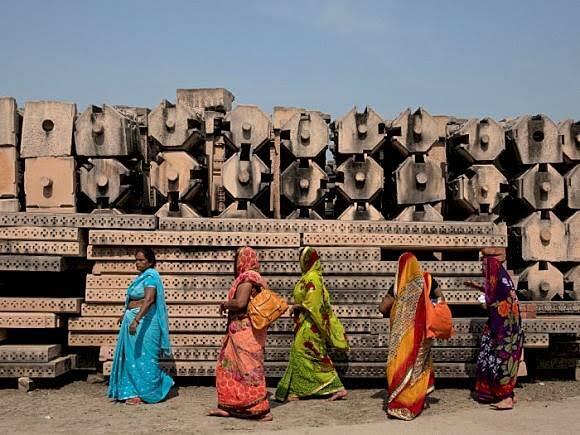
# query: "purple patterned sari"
[502,339]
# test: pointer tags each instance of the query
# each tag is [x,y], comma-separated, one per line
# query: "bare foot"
[216,412]
[339,395]
[504,405]
[292,398]
[134,401]
[267,417]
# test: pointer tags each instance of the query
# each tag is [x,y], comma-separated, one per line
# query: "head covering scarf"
[247,270]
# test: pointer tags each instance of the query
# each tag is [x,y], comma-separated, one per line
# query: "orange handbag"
[265,307]
[439,318]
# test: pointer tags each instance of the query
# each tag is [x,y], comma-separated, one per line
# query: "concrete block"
[176,126]
[541,187]
[105,132]
[248,125]
[9,173]
[304,133]
[419,181]
[569,135]
[103,181]
[47,129]
[214,99]
[477,140]
[534,139]
[50,183]
[9,122]
[358,133]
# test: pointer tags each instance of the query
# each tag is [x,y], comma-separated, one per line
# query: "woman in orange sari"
[410,376]
[240,379]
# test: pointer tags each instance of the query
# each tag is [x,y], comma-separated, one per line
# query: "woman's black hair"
[149,254]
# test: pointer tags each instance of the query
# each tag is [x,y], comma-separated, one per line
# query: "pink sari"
[240,379]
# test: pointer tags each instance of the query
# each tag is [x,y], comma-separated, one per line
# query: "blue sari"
[135,371]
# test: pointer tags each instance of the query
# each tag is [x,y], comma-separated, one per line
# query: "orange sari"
[410,376]
[240,379]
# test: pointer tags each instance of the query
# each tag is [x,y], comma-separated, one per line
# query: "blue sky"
[463,58]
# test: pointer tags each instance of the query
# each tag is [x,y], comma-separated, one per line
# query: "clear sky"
[463,58]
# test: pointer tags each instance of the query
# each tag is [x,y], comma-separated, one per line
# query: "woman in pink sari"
[240,379]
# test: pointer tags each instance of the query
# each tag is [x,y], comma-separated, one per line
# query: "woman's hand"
[133,327]
[295,310]
[120,320]
[473,284]
[223,308]
[386,305]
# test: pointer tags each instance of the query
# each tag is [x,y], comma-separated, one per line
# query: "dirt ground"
[81,407]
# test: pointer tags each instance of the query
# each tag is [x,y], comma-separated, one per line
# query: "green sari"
[310,371]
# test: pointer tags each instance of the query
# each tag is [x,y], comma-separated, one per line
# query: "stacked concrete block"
[177,172]
[30,362]
[569,135]
[359,138]
[10,168]
[42,274]
[195,259]
[246,175]
[303,137]
[479,189]
[419,180]
[34,304]
[539,239]
[50,183]
[107,142]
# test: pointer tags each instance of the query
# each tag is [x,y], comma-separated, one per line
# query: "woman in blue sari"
[136,376]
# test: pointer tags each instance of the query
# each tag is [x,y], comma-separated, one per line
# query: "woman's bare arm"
[240,301]
[473,284]
[148,300]
[439,294]
[386,305]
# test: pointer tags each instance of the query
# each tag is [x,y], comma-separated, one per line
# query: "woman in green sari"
[311,372]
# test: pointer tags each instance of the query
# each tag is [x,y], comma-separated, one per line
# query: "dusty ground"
[81,407]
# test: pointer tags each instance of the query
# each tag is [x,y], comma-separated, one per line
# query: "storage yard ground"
[80,407]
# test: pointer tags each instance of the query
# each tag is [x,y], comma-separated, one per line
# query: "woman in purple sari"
[502,338]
